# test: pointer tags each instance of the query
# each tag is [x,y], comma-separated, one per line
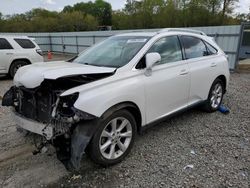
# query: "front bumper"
[45,130]
[69,150]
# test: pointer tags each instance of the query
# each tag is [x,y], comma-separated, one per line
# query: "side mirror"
[151,59]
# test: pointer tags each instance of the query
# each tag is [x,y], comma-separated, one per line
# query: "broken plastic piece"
[74,177]
[188,167]
[40,149]
[193,152]
[223,109]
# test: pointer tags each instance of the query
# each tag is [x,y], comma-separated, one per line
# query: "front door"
[167,89]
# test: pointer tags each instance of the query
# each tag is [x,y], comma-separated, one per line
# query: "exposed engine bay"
[67,128]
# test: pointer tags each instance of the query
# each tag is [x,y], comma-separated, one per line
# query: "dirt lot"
[215,146]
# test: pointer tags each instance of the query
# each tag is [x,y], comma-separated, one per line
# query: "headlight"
[67,110]
[66,105]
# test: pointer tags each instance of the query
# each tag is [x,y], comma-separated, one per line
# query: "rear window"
[194,47]
[4,44]
[25,43]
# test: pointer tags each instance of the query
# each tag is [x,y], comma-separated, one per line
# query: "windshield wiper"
[97,65]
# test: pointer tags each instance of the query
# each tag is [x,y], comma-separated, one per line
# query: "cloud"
[49,2]
[60,9]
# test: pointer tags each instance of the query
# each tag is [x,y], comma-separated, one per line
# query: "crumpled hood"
[31,76]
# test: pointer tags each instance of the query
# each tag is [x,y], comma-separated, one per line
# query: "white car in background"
[16,51]
[98,102]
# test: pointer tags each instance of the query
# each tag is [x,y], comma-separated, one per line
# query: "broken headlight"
[65,106]
[67,112]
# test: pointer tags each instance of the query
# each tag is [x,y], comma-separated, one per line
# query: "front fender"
[98,100]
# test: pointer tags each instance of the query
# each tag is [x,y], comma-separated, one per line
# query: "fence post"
[216,37]
[50,43]
[241,33]
[77,47]
[63,46]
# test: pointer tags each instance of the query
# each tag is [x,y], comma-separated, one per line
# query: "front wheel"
[215,96]
[114,138]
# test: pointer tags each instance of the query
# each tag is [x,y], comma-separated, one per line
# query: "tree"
[227,8]
[136,14]
[68,8]
[76,21]
[99,9]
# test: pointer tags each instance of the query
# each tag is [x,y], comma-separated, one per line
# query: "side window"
[25,43]
[194,47]
[4,44]
[169,49]
[211,50]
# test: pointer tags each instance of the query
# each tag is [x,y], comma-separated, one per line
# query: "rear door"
[6,55]
[26,49]
[167,89]
[202,64]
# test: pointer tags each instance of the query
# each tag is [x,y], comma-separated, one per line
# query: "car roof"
[169,31]
[14,37]
[145,34]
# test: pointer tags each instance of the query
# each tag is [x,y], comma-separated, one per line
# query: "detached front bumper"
[45,130]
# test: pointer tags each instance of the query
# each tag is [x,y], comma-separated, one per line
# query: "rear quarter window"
[4,44]
[211,50]
[25,43]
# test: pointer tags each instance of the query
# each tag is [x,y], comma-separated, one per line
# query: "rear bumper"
[45,130]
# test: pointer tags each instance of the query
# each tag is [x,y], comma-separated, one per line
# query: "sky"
[21,6]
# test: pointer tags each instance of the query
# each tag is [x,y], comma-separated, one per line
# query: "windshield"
[112,52]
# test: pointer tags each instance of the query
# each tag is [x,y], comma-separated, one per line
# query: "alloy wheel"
[115,138]
[216,96]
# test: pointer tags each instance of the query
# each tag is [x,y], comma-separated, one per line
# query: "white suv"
[16,52]
[116,89]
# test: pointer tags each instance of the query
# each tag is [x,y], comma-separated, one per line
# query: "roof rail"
[182,30]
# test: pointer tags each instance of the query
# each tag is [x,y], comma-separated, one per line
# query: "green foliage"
[175,13]
[76,21]
[99,9]
[40,20]
[136,14]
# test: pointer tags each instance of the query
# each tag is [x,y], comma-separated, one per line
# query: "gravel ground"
[194,149]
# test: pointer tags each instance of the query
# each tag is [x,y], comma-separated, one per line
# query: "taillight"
[40,52]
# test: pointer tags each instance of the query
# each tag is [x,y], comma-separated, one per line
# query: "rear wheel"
[113,139]
[215,96]
[15,66]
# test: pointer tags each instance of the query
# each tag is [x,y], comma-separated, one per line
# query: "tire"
[112,141]
[215,96]
[15,66]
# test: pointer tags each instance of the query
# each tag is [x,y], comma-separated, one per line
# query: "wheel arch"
[129,106]
[224,80]
[19,59]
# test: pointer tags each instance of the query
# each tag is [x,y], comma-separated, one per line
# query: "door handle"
[183,72]
[9,53]
[213,65]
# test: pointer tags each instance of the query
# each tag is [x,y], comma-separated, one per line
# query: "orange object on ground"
[49,55]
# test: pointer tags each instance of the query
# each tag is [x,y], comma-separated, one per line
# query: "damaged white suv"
[117,88]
